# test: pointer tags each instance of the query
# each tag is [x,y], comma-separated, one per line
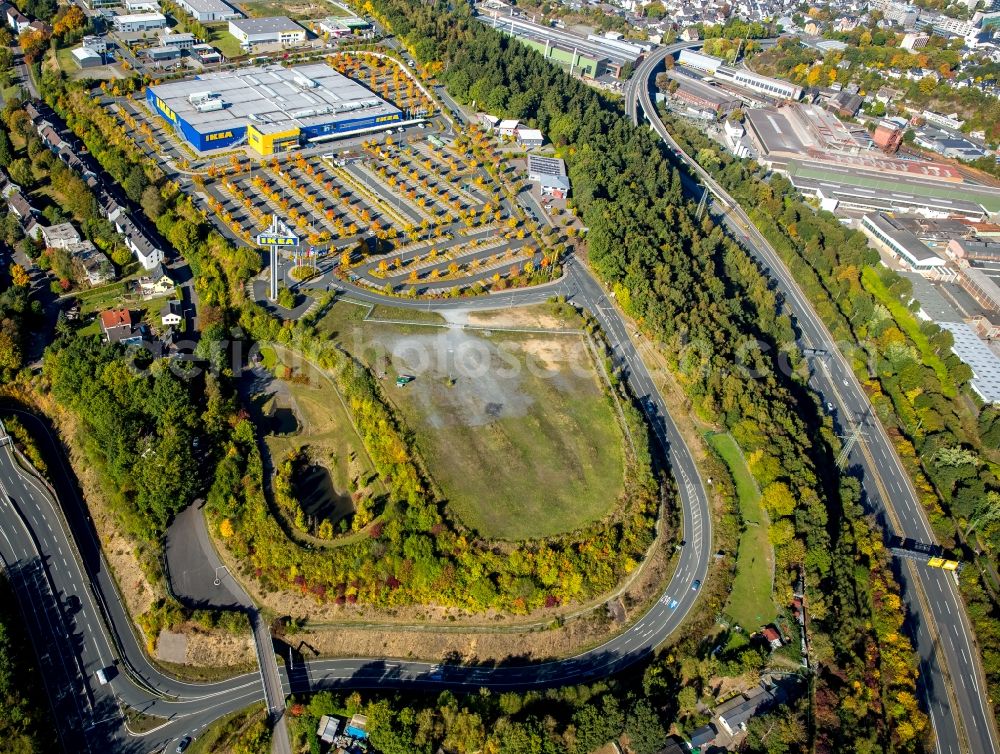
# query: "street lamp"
[218,579]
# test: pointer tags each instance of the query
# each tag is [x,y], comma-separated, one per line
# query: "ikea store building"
[271,108]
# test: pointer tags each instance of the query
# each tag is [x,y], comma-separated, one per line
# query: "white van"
[102,677]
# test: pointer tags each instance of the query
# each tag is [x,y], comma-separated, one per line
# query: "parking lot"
[423,210]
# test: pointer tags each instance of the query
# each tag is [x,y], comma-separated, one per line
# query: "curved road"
[951,671]
[49,547]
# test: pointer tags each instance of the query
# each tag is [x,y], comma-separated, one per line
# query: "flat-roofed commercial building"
[273,30]
[981,287]
[272,108]
[762,84]
[700,61]
[864,199]
[550,175]
[900,243]
[182,41]
[140,22]
[209,10]
[163,53]
[974,249]
[985,364]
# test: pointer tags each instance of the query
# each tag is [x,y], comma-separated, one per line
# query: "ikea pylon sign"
[270,239]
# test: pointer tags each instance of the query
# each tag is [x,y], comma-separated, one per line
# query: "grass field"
[515,428]
[226,43]
[750,603]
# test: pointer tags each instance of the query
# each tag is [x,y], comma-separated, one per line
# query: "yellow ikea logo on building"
[219,135]
[165,109]
[386,118]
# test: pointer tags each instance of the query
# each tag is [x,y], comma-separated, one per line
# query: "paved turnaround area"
[950,667]
[49,547]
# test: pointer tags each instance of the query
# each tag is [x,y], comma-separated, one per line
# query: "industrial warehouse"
[273,109]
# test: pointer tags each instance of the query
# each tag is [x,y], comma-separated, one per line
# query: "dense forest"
[947,439]
[138,427]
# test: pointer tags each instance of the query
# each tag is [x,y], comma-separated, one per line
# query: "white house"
[148,255]
[488,121]
[170,314]
[60,236]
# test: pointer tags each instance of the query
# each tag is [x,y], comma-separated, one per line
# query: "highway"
[953,682]
[47,535]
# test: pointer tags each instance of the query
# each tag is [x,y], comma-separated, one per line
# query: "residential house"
[7,186]
[96,266]
[119,326]
[109,206]
[772,637]
[172,313]
[157,283]
[60,236]
[17,20]
[26,213]
[29,107]
[736,712]
[148,255]
[846,104]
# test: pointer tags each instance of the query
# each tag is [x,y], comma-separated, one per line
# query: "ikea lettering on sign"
[170,114]
[219,135]
[265,239]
